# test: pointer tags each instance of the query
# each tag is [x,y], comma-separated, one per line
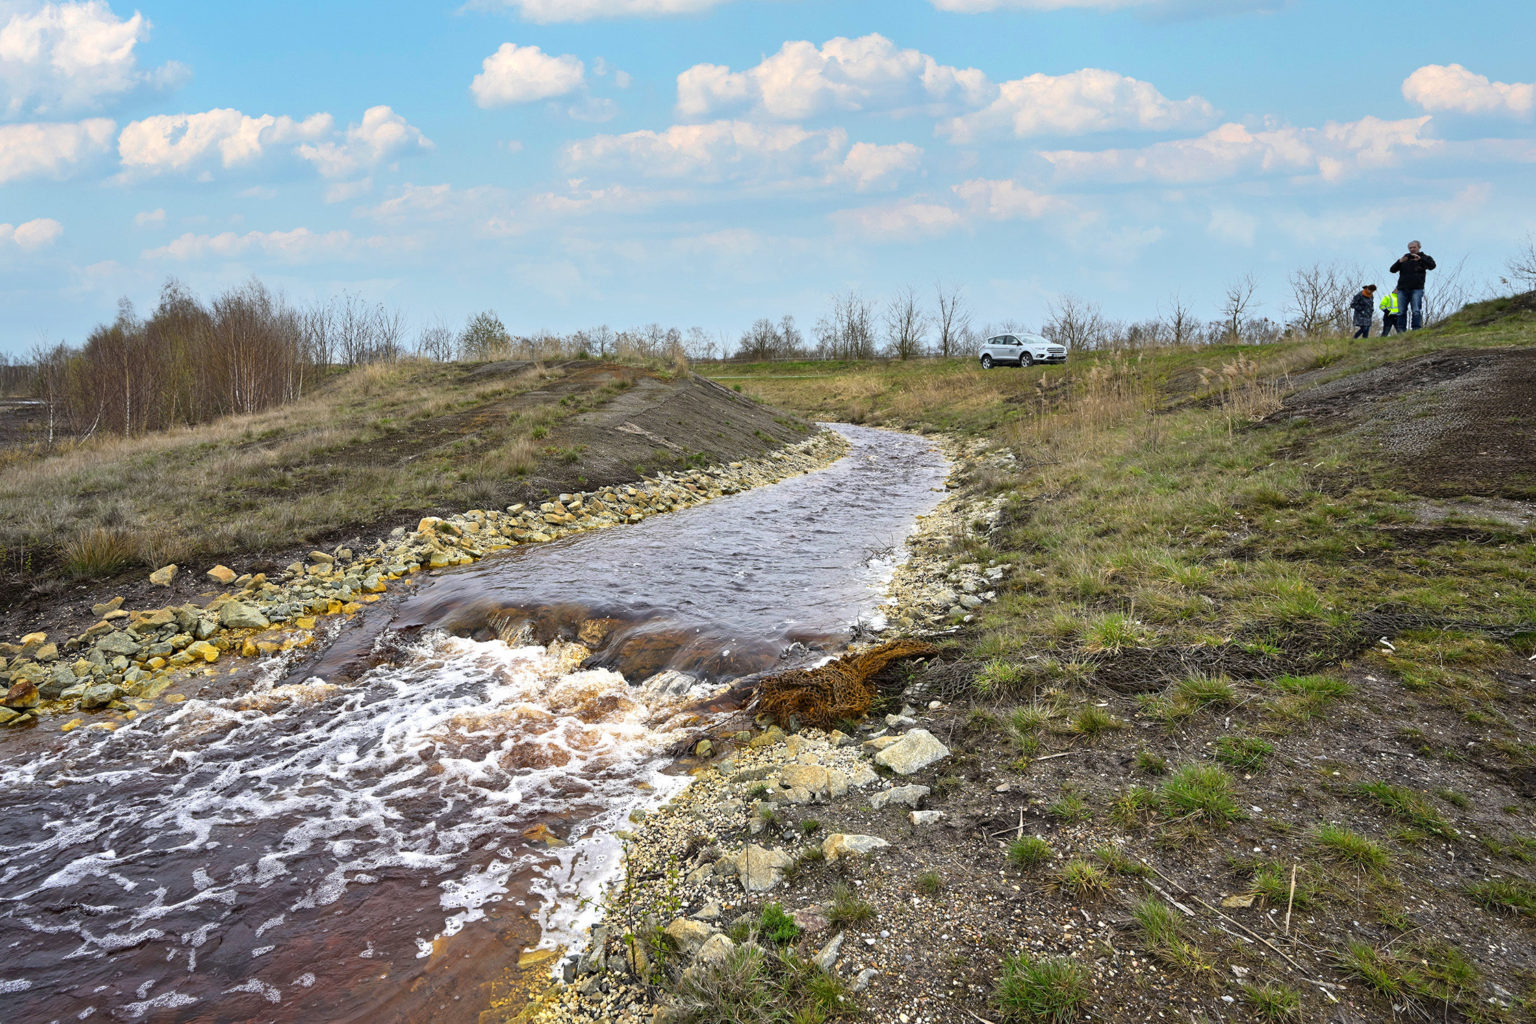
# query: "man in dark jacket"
[1410,269]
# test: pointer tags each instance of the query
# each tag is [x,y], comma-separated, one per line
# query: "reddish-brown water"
[311,846]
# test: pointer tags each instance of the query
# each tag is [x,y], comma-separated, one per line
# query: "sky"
[570,163]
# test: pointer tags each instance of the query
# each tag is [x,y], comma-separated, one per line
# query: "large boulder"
[912,753]
[99,696]
[690,936]
[906,796]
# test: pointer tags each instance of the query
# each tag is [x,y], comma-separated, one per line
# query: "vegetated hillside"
[380,447]
[1270,614]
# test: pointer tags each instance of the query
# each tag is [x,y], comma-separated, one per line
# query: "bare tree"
[952,320]
[1182,326]
[1320,300]
[847,330]
[1237,309]
[906,325]
[1073,322]
[435,343]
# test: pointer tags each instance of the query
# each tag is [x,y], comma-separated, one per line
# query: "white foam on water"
[168,1001]
[14,985]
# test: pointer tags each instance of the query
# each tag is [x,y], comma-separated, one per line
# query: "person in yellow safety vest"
[1391,314]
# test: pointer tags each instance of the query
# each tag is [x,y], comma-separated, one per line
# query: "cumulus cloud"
[1452,88]
[178,142]
[715,152]
[53,150]
[1006,200]
[301,245]
[72,56]
[907,219]
[1232,150]
[33,234]
[870,166]
[418,203]
[149,218]
[382,135]
[190,142]
[1090,100]
[589,10]
[803,80]
[523,74]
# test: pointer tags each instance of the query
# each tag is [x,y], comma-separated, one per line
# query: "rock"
[827,958]
[924,817]
[899,721]
[100,695]
[119,644]
[7,716]
[840,845]
[162,577]
[714,951]
[101,610]
[704,749]
[223,574]
[321,558]
[203,650]
[907,796]
[690,936]
[22,695]
[861,775]
[879,743]
[810,920]
[708,912]
[46,653]
[773,735]
[34,640]
[758,869]
[866,976]
[913,752]
[235,615]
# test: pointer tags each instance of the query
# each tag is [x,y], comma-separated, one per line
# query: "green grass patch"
[1245,753]
[1041,990]
[1164,933]
[1273,1002]
[1029,852]
[1340,844]
[1514,895]
[1408,806]
[1202,793]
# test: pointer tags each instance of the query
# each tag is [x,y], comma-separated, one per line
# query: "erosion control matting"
[1453,423]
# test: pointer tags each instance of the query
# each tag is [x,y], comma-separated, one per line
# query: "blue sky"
[571,163]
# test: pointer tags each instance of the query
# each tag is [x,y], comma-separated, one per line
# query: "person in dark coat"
[1363,307]
[1410,269]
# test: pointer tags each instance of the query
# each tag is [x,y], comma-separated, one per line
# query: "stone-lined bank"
[128,658]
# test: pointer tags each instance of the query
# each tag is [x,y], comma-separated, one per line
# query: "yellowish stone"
[305,622]
[72,725]
[156,663]
[174,698]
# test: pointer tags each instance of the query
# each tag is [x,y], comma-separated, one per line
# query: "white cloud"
[716,151]
[870,166]
[907,219]
[72,56]
[149,218]
[28,150]
[588,10]
[179,142]
[418,203]
[1007,200]
[194,142]
[1090,100]
[258,192]
[33,234]
[300,245]
[1232,150]
[803,80]
[522,74]
[1233,225]
[1452,88]
[346,191]
[381,135]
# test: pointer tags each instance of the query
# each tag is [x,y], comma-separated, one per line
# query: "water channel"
[320,842]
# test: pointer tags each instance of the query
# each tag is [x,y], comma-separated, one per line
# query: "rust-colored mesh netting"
[841,689]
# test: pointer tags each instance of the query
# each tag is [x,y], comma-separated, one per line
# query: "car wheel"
[986,362]
[1025,359]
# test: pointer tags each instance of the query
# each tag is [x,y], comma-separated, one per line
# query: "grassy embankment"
[380,439]
[1260,635]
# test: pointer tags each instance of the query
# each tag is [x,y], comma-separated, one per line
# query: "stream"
[381,830]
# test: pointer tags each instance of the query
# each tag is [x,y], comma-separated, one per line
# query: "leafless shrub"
[953,320]
[1074,322]
[1237,309]
[847,330]
[1522,266]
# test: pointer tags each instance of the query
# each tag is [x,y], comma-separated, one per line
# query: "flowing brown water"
[318,847]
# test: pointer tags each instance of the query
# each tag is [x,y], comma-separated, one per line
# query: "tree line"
[247,349]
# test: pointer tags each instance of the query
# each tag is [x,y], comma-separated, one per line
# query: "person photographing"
[1410,269]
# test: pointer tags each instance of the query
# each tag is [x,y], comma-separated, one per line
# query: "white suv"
[1020,350]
